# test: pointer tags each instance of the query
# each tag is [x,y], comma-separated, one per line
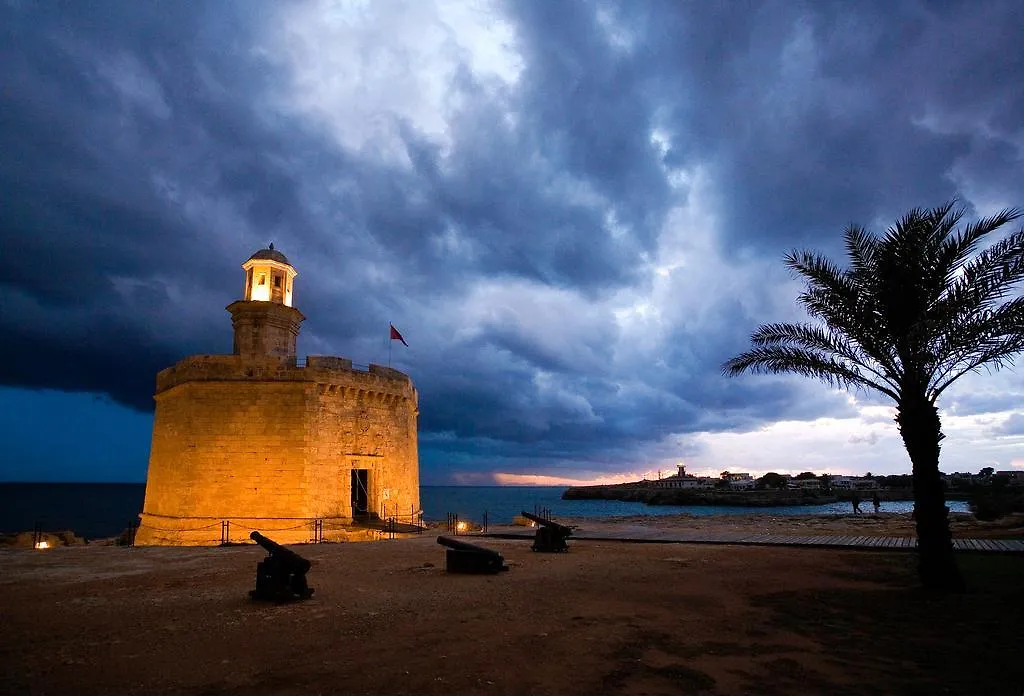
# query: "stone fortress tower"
[258,440]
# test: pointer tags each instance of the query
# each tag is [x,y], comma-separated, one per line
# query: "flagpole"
[389,345]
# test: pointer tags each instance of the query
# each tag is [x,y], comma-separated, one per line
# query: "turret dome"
[270,254]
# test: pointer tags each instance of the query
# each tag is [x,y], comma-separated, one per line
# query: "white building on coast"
[854,483]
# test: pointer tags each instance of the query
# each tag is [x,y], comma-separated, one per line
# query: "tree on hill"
[897,481]
[772,480]
[917,309]
[805,475]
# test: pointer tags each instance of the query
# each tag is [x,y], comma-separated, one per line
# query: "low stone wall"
[157,530]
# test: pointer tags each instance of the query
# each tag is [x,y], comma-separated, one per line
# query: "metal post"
[225,531]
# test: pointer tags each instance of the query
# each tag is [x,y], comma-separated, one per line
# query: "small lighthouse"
[265,322]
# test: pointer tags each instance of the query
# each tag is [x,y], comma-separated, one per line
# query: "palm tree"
[916,310]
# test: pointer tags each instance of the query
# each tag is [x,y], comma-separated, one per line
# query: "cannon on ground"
[550,536]
[470,558]
[281,576]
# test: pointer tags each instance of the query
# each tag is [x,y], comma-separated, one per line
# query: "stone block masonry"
[268,445]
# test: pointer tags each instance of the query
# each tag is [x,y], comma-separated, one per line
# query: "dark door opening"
[360,493]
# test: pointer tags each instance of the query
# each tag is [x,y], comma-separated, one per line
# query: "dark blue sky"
[574,212]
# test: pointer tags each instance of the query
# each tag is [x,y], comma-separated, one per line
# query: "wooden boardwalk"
[646,535]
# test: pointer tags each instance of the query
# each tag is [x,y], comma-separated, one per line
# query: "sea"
[100,510]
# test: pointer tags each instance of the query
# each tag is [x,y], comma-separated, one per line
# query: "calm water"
[96,510]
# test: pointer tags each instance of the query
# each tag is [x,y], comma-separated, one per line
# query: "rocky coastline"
[651,495]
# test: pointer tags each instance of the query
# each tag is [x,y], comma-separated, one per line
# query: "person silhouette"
[876,502]
[855,500]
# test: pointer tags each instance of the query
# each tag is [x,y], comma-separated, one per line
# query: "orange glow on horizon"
[507,479]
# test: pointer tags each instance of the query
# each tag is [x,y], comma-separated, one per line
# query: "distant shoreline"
[651,495]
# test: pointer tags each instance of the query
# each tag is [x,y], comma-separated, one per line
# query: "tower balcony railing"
[337,363]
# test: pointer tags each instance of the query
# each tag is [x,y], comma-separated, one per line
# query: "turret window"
[277,281]
[263,279]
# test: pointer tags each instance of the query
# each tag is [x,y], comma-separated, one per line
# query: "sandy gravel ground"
[605,618]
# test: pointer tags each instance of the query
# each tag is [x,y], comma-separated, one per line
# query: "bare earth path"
[877,531]
[605,618]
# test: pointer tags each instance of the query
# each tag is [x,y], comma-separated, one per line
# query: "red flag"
[395,336]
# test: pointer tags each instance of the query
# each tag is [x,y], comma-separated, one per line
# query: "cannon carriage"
[281,576]
[550,536]
[462,557]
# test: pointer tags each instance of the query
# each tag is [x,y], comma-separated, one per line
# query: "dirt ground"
[605,618]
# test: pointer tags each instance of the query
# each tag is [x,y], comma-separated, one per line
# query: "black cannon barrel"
[463,546]
[548,523]
[300,564]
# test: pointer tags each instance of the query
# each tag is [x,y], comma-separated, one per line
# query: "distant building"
[743,484]
[679,482]
[854,483]
[683,480]
[802,484]
[736,477]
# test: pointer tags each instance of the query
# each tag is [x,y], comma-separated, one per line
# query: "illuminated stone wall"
[264,329]
[264,444]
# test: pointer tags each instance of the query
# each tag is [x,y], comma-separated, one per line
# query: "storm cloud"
[574,211]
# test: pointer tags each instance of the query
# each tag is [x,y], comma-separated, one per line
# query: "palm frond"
[826,341]
[801,361]
[856,316]
[834,297]
[994,340]
[957,250]
[988,276]
[862,248]
[960,315]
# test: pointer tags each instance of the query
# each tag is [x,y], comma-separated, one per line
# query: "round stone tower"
[311,450]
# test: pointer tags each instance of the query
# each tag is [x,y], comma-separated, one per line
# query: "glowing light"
[271,281]
[461,527]
[42,544]
[260,290]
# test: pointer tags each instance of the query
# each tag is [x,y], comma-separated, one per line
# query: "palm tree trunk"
[921,429]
